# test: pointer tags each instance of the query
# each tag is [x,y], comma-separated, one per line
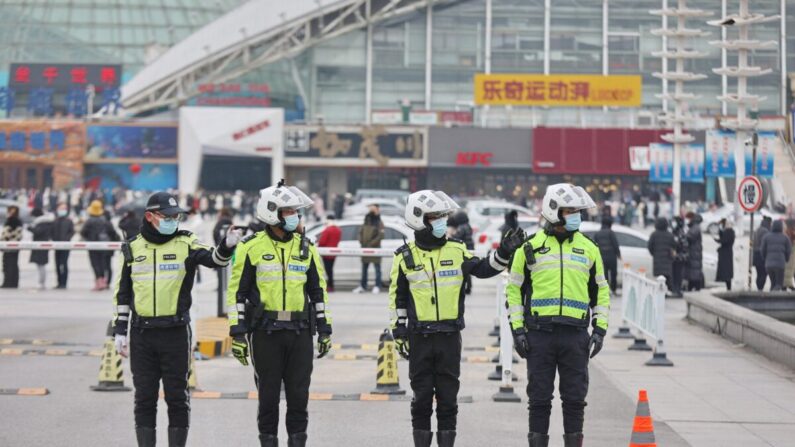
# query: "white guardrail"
[111,246]
[643,308]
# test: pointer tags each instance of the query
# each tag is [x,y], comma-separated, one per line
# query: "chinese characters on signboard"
[720,159]
[558,90]
[385,146]
[231,95]
[62,88]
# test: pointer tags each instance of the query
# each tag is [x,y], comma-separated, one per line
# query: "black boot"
[445,438]
[177,436]
[147,436]
[297,440]
[572,440]
[538,439]
[266,440]
[422,438]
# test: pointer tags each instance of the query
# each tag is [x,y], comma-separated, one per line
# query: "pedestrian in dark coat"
[725,253]
[371,233]
[776,250]
[41,228]
[63,230]
[759,260]
[98,229]
[11,232]
[130,225]
[611,251]
[681,256]
[694,271]
[661,246]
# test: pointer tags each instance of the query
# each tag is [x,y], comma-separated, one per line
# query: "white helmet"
[564,195]
[424,202]
[275,198]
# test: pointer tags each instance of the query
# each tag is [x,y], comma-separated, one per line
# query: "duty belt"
[159,322]
[284,315]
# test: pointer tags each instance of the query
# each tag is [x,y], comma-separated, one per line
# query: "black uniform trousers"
[282,355]
[564,349]
[155,354]
[62,267]
[328,263]
[434,369]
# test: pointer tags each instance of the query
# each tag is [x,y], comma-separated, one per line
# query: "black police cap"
[164,203]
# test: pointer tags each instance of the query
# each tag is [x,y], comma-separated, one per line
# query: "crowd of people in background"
[675,244]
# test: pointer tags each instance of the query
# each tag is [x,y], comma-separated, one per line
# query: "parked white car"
[489,238]
[389,207]
[481,212]
[711,223]
[635,252]
[349,268]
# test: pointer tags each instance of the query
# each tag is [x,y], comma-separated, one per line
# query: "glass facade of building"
[128,32]
[334,73]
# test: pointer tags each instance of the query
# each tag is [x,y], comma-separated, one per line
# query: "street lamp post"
[675,48]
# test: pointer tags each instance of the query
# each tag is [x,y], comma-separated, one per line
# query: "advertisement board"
[558,90]
[144,177]
[57,144]
[662,163]
[131,142]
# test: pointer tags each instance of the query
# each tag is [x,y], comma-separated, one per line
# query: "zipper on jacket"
[561,277]
[154,283]
[284,282]
[435,297]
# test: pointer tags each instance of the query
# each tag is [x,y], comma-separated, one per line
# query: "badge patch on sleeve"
[169,257]
[267,257]
[579,251]
[140,259]
[543,250]
[448,262]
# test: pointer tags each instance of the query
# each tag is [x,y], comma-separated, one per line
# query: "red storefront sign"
[473,158]
[588,151]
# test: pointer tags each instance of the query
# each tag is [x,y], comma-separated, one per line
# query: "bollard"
[387,380]
[111,373]
[499,298]
[506,393]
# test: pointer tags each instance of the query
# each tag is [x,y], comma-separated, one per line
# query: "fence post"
[659,357]
[506,393]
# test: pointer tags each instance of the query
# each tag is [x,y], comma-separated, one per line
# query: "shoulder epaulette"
[588,238]
[184,233]
[248,238]
[400,249]
[452,239]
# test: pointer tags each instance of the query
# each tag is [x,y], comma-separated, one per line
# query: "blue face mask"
[573,222]
[167,226]
[291,222]
[439,227]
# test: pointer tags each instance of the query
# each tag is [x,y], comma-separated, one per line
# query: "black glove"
[240,350]
[323,345]
[520,343]
[512,240]
[595,345]
[401,336]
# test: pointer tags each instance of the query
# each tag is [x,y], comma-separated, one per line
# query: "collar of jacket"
[425,240]
[288,235]
[153,236]
[560,236]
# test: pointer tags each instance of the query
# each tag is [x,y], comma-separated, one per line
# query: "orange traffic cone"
[642,428]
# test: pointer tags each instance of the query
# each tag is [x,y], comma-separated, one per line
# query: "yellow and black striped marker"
[387,380]
[24,391]
[371,347]
[37,342]
[111,373]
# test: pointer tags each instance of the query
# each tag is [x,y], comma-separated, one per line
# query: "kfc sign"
[474,158]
